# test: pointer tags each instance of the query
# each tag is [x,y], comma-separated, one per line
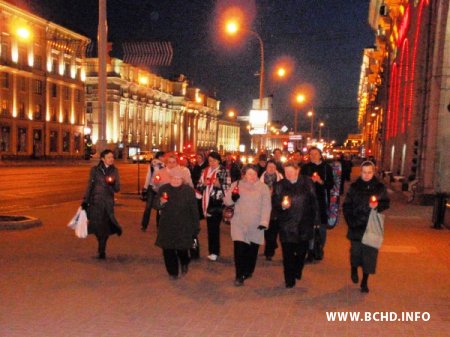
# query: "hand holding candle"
[110,180]
[157,178]
[164,197]
[373,202]
[316,178]
[286,203]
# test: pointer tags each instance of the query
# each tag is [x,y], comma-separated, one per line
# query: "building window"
[38,112]
[5,136]
[78,95]
[67,69]
[89,89]
[4,77]
[21,140]
[66,93]
[66,141]
[23,59]
[4,52]
[22,83]
[38,86]
[89,107]
[53,117]
[77,142]
[38,62]
[54,90]
[53,141]
[21,110]
[54,66]
[5,107]
[66,116]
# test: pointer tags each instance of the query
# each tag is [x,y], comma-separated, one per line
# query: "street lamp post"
[311,115]
[300,98]
[321,125]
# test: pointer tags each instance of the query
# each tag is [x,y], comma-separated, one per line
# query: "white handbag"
[374,234]
[79,223]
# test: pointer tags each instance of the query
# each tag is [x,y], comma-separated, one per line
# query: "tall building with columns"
[149,112]
[41,87]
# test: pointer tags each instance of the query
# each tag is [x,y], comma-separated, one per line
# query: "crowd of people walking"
[272,201]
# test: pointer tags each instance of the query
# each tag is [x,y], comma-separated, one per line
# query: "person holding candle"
[252,206]
[98,201]
[211,189]
[322,175]
[149,192]
[295,208]
[270,177]
[365,194]
[179,222]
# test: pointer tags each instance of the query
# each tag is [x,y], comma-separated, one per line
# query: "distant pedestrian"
[179,222]
[364,194]
[346,171]
[322,175]
[296,210]
[233,169]
[270,177]
[211,189]
[277,154]
[262,164]
[149,192]
[98,201]
[252,206]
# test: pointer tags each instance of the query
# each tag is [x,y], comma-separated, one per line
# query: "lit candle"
[373,199]
[109,179]
[165,196]
[286,201]
[157,178]
[236,190]
[315,175]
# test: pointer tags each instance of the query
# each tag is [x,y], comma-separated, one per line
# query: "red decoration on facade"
[404,27]
[405,65]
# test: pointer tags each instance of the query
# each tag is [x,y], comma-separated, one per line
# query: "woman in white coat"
[252,206]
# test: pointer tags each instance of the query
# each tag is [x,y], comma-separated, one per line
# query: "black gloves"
[144,194]
[261,227]
[235,197]
[84,205]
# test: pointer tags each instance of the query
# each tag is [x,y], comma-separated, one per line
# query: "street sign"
[295,137]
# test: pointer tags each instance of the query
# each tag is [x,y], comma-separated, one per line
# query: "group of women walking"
[264,203]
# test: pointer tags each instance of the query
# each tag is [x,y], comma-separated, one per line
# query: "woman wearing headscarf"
[269,177]
[211,189]
[252,206]
[296,210]
[98,201]
[365,194]
[179,222]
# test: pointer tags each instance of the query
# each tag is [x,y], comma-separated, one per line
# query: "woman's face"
[213,162]
[271,168]
[176,181]
[108,159]
[367,172]
[171,162]
[291,173]
[251,175]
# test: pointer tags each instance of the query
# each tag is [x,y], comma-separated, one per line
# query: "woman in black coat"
[363,195]
[98,201]
[295,208]
[179,222]
[322,175]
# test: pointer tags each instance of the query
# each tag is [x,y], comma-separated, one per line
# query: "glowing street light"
[232,27]
[281,72]
[23,33]
[300,99]
[311,115]
[321,125]
[231,114]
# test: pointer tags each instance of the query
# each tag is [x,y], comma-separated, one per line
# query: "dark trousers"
[245,256]
[293,260]
[148,208]
[270,236]
[102,244]
[173,258]
[213,226]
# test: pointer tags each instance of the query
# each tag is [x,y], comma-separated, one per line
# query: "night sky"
[324,38]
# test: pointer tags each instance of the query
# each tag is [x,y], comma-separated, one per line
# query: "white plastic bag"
[374,234]
[79,223]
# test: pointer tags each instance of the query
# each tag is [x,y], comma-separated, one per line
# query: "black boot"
[310,256]
[364,287]
[354,276]
[102,247]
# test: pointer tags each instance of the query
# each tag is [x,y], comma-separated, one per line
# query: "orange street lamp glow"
[143,80]
[232,27]
[231,114]
[310,113]
[281,72]
[322,124]
[300,98]
[23,33]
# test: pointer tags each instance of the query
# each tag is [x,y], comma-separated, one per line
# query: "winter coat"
[251,210]
[212,195]
[270,181]
[197,172]
[356,205]
[325,173]
[297,222]
[99,196]
[154,166]
[233,171]
[179,222]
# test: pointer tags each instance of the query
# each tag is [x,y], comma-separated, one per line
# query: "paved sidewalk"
[51,284]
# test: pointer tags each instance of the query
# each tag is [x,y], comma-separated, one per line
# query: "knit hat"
[215,155]
[177,172]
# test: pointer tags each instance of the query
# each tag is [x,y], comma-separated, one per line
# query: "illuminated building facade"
[228,136]
[41,87]
[149,112]
[406,93]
